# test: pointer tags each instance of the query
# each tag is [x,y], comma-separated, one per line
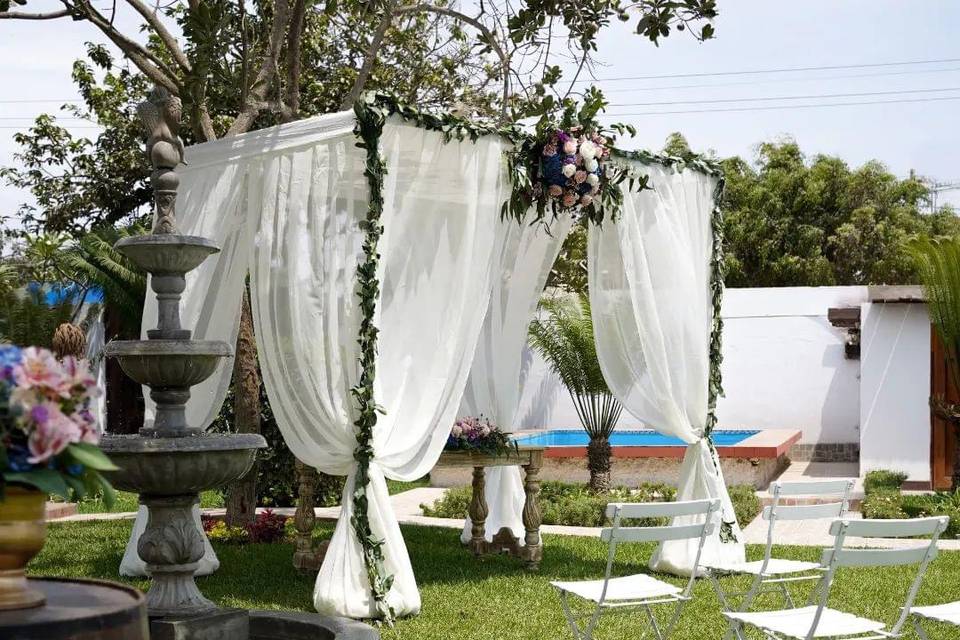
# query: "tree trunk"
[956,456]
[242,495]
[598,462]
[124,396]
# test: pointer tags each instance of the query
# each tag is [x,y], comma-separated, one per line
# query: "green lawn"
[487,599]
[209,499]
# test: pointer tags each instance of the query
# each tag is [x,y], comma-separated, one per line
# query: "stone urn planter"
[22,534]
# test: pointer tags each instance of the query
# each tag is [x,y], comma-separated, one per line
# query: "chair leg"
[732,629]
[653,622]
[786,595]
[571,619]
[678,609]
[919,630]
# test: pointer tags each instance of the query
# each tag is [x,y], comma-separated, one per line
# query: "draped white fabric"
[525,255]
[286,203]
[649,279]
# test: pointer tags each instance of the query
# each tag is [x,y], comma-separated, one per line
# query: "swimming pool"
[579,438]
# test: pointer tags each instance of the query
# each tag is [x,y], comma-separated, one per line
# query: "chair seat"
[774,568]
[949,613]
[795,623]
[636,587]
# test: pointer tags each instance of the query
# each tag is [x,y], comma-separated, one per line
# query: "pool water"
[579,438]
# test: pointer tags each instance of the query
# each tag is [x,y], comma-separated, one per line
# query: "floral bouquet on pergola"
[566,166]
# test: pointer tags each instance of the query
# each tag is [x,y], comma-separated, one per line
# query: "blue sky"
[751,35]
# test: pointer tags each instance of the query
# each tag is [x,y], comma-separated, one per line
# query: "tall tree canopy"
[794,222]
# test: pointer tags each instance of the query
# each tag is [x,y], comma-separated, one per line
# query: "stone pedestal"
[218,624]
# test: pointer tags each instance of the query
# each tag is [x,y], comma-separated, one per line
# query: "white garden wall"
[784,365]
[895,388]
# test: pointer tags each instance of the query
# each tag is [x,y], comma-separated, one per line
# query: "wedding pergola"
[390,296]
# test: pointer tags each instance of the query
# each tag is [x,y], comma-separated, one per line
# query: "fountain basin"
[167,253]
[178,466]
[168,363]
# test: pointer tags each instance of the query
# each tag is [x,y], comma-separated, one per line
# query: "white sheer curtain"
[439,225]
[649,278]
[290,199]
[525,255]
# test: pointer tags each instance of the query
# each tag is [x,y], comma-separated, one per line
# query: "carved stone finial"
[160,114]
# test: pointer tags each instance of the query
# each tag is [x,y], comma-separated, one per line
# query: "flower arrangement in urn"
[479,434]
[48,445]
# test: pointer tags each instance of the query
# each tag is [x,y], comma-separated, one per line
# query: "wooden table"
[79,610]
[531,459]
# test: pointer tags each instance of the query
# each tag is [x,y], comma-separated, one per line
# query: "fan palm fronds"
[938,265]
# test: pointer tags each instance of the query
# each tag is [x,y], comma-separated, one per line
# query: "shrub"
[267,527]
[746,504]
[883,504]
[575,505]
[881,479]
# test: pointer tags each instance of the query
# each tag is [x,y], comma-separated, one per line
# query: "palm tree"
[563,335]
[938,265]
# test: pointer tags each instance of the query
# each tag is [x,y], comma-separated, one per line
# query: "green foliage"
[789,222]
[27,320]
[882,479]
[938,265]
[883,504]
[746,504]
[574,505]
[884,500]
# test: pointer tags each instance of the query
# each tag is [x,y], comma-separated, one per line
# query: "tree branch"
[484,31]
[263,80]
[369,58]
[20,15]
[161,30]
[294,39]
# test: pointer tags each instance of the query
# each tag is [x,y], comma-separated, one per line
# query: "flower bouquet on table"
[48,435]
[566,167]
[479,434]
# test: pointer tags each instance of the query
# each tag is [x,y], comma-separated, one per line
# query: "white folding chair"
[639,590]
[946,613]
[820,621]
[773,575]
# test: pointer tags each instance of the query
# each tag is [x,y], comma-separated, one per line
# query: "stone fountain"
[169,462]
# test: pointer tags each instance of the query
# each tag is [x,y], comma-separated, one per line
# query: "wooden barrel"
[79,610]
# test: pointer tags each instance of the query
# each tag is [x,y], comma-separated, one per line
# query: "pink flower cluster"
[571,167]
[471,428]
[51,402]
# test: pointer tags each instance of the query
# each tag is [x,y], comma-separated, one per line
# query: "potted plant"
[48,446]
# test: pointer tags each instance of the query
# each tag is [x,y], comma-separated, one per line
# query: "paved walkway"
[406,506]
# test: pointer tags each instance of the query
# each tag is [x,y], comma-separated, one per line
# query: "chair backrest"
[842,555]
[835,492]
[697,522]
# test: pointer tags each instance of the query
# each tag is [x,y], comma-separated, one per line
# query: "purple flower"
[40,414]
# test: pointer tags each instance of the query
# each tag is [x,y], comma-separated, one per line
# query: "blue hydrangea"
[10,356]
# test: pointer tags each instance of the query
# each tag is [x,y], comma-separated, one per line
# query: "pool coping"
[766,443]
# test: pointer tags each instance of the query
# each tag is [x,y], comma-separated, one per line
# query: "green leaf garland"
[368,130]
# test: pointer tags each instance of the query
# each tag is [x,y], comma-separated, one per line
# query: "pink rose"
[569,147]
[457,431]
[580,176]
[549,150]
[49,438]
[555,191]
[569,199]
[586,200]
